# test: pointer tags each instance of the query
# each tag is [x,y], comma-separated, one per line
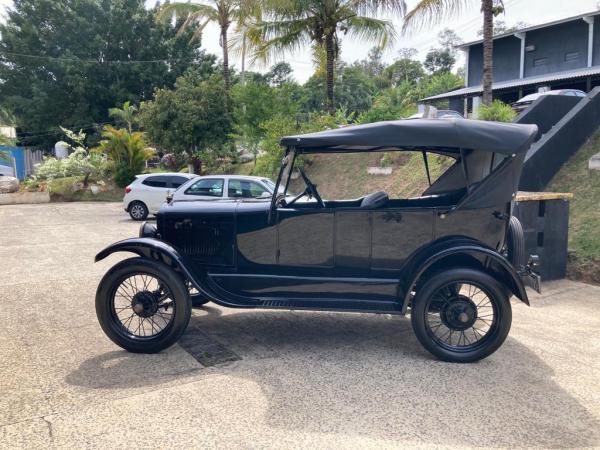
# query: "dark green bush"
[124,175]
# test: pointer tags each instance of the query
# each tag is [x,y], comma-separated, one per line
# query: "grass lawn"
[584,219]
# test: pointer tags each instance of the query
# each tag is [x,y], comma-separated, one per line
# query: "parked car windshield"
[271,186]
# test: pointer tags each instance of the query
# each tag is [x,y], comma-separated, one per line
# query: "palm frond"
[431,12]
[181,10]
[378,7]
[190,13]
[381,32]
[285,36]
[197,35]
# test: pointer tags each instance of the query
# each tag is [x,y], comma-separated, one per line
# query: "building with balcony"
[564,54]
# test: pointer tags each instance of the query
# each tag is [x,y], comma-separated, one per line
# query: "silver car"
[214,187]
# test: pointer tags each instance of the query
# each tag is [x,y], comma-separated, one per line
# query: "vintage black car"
[452,257]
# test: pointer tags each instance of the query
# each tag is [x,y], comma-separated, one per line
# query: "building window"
[571,56]
[540,62]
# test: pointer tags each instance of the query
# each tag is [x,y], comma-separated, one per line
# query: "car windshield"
[271,186]
[529,98]
[183,184]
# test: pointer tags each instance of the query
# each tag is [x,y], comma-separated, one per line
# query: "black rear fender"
[156,250]
[471,256]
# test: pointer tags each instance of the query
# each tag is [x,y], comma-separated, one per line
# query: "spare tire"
[515,243]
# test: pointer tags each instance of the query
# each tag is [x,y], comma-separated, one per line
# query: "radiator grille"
[207,243]
[202,241]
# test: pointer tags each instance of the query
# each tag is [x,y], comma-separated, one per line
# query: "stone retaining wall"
[24,197]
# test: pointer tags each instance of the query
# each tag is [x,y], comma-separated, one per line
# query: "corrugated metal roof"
[587,71]
[531,28]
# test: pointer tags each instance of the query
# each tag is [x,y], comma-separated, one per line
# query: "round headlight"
[147,230]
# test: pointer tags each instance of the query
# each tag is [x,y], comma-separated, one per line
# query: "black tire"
[197,298]
[436,296]
[137,210]
[168,281]
[515,243]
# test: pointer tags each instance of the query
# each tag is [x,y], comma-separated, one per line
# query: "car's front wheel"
[461,315]
[142,305]
[138,210]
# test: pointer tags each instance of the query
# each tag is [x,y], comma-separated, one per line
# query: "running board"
[326,304]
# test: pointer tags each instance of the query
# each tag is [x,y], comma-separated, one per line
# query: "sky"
[532,12]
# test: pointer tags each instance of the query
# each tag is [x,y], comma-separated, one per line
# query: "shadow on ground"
[367,375]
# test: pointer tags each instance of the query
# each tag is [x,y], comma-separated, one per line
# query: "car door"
[305,237]
[289,258]
[206,188]
[397,233]
[155,191]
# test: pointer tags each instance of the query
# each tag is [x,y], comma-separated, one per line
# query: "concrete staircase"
[565,124]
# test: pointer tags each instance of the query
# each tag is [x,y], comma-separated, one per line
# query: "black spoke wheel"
[143,305]
[461,315]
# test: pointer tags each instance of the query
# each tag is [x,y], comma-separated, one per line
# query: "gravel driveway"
[285,380]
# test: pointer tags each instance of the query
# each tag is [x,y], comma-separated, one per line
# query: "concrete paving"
[304,380]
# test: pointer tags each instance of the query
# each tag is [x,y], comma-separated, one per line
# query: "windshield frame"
[285,171]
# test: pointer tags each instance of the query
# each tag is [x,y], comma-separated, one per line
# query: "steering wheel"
[310,191]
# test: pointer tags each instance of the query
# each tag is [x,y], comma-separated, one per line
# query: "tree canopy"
[193,118]
[67,62]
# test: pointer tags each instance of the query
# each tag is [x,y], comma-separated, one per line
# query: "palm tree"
[124,147]
[222,12]
[250,15]
[428,12]
[125,115]
[296,24]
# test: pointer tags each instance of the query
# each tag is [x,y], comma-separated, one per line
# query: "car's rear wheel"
[138,210]
[142,305]
[461,315]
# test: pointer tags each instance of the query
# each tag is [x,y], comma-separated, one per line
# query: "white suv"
[147,192]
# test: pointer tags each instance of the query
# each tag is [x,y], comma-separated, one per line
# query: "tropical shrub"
[126,151]
[123,175]
[496,112]
[79,163]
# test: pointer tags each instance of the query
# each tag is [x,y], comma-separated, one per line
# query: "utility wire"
[95,61]
[38,133]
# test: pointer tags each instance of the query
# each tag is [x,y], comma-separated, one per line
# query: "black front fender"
[152,249]
[460,254]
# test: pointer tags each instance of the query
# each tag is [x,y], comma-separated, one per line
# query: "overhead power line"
[95,61]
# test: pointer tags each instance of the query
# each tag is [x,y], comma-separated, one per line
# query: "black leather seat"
[374,200]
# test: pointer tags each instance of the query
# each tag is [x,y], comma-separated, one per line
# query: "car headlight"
[148,230]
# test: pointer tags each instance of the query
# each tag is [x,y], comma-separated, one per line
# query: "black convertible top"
[443,134]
